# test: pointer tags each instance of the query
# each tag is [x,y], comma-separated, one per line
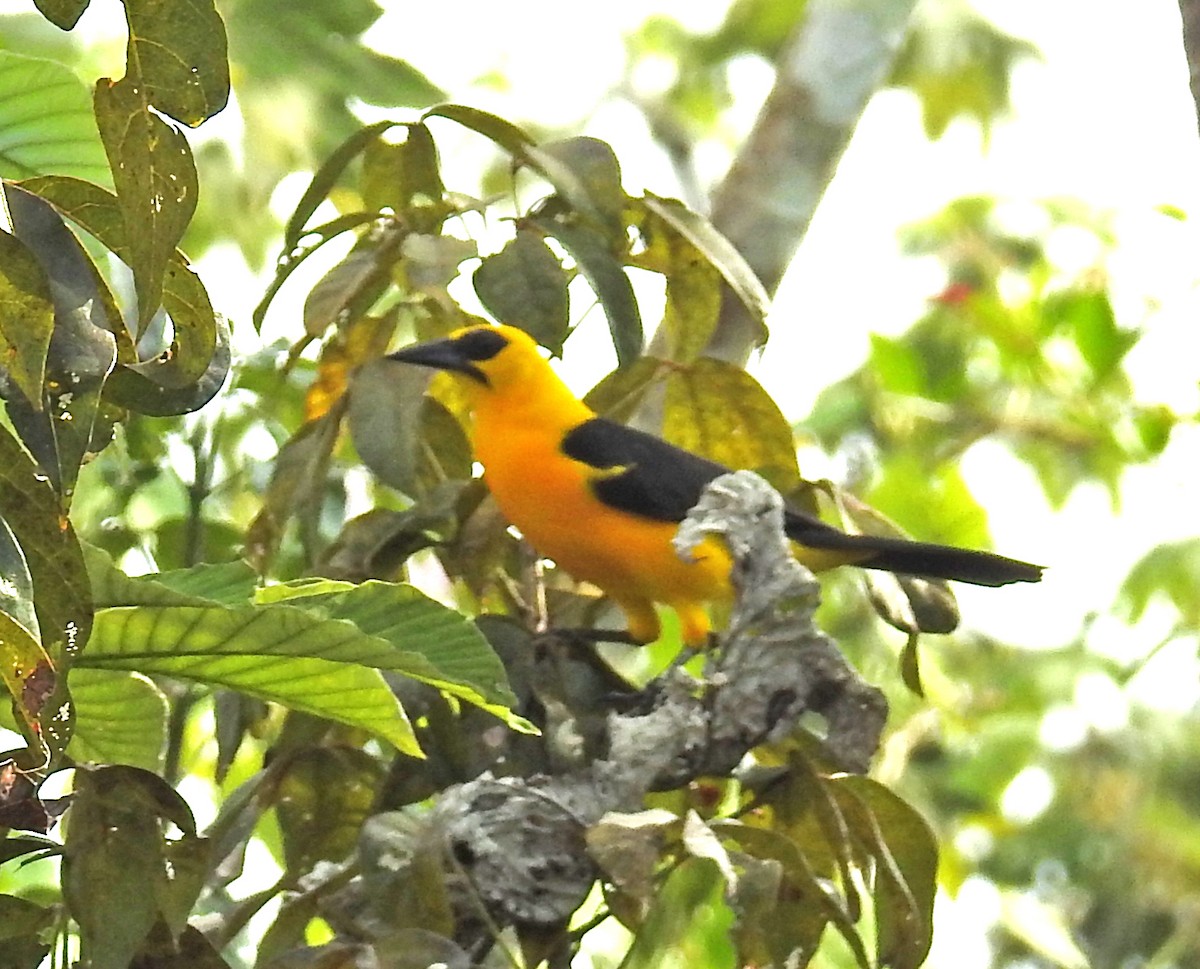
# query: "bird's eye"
[481,344]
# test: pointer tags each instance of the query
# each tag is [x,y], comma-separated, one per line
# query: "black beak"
[439,355]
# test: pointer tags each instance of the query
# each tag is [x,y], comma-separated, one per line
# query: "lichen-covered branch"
[516,845]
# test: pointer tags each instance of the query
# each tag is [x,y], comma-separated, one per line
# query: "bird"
[603,500]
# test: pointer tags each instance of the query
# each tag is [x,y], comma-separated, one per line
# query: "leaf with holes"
[156,183]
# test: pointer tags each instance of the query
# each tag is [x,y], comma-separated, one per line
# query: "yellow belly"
[549,498]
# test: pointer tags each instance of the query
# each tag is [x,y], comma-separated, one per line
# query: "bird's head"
[484,358]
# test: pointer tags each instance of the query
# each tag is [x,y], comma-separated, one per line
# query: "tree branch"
[837,58]
[518,843]
[1190,12]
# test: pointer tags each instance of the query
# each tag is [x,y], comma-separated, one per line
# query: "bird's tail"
[909,558]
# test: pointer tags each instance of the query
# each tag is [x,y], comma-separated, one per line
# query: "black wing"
[649,477]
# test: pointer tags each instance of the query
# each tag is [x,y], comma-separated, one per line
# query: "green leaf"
[31,681]
[408,440]
[23,924]
[196,350]
[178,52]
[222,583]
[719,252]
[16,584]
[719,411]
[59,425]
[113,859]
[327,176]
[46,122]
[314,238]
[62,594]
[351,287]
[165,386]
[524,284]
[156,184]
[606,276]
[689,919]
[1170,571]
[958,64]
[64,14]
[297,481]
[906,858]
[325,795]
[503,133]
[792,916]
[407,179]
[280,654]
[120,718]
[26,316]
[693,302]
[413,635]
[585,172]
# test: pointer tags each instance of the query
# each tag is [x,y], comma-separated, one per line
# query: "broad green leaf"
[188,861]
[524,284]
[411,634]
[905,854]
[280,654]
[120,718]
[31,681]
[16,584]
[156,184]
[408,440]
[314,239]
[325,50]
[719,252]
[693,302]
[793,917]
[46,122]
[719,411]
[26,316]
[23,926]
[407,179]
[177,52]
[220,583]
[154,388]
[1089,318]
[351,287]
[297,479]
[619,395]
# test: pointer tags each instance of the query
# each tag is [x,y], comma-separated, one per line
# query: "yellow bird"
[604,500]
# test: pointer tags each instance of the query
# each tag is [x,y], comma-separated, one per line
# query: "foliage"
[326,708]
